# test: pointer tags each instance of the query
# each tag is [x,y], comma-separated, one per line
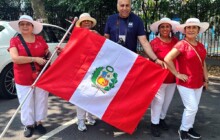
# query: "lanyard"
[118,31]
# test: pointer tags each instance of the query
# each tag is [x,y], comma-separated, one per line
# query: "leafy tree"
[9,9]
[39,10]
[99,9]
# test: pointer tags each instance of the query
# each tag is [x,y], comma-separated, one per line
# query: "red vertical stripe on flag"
[142,82]
[72,63]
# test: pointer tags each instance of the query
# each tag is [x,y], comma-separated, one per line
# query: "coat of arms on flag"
[104,78]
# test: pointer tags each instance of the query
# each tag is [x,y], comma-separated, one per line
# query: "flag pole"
[32,86]
[54,52]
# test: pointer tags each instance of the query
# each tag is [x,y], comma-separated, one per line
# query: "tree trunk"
[39,10]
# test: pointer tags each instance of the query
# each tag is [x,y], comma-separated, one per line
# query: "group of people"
[185,60]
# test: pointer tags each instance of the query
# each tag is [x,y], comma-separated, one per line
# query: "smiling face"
[26,27]
[191,31]
[124,8]
[165,29]
[86,24]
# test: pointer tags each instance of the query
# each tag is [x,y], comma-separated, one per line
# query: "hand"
[182,77]
[41,61]
[59,50]
[206,84]
[161,63]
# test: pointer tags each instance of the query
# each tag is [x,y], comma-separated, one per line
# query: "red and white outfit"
[190,91]
[35,107]
[162,99]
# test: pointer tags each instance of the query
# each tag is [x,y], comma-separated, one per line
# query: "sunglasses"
[25,24]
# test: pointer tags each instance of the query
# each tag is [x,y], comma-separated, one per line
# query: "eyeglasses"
[25,24]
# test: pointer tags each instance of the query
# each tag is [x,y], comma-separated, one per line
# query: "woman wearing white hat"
[85,21]
[34,109]
[190,71]
[161,45]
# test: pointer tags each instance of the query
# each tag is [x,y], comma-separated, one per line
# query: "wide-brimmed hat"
[155,25]
[85,16]
[194,22]
[37,25]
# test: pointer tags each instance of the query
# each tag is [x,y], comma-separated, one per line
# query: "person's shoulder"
[113,16]
[155,41]
[175,39]
[134,16]
[39,37]
[15,39]
[179,43]
[182,42]
[200,44]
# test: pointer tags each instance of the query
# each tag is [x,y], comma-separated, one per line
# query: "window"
[1,28]
[53,34]
[59,33]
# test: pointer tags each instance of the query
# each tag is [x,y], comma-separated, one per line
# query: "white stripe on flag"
[90,98]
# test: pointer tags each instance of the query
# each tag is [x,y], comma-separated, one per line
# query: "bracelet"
[32,59]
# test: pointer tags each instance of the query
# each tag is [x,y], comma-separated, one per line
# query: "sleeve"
[180,46]
[13,43]
[106,30]
[141,30]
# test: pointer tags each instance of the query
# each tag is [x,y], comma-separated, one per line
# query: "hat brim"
[37,26]
[203,26]
[86,18]
[155,25]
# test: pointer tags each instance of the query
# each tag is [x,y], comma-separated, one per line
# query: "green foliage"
[67,9]
[153,10]
[9,9]
[88,5]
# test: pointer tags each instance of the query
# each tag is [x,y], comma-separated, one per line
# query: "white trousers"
[35,107]
[161,102]
[190,98]
[82,114]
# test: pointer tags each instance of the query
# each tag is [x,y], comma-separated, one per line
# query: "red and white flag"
[104,78]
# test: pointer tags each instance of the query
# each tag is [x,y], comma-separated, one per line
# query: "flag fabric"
[104,78]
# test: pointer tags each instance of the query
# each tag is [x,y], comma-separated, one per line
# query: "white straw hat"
[37,25]
[193,22]
[155,25]
[85,16]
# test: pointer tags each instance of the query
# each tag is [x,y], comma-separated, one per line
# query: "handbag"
[35,72]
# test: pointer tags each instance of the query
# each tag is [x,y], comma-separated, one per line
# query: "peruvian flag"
[104,78]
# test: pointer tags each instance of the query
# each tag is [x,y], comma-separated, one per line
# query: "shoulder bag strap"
[27,50]
[195,52]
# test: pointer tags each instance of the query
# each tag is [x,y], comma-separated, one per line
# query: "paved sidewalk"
[207,122]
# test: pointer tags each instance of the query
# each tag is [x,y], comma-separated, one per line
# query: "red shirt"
[161,49]
[23,72]
[188,63]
